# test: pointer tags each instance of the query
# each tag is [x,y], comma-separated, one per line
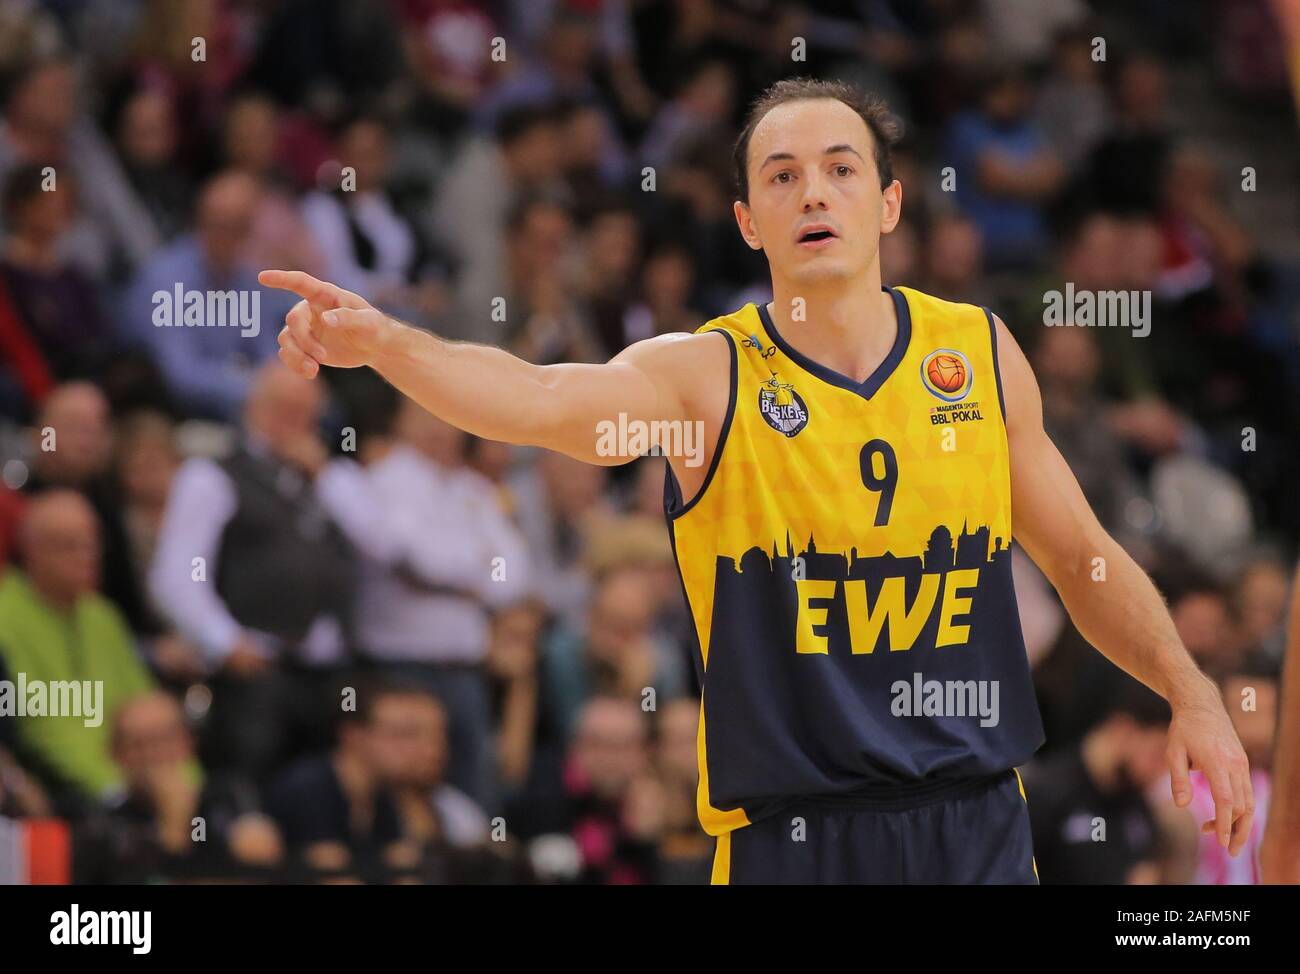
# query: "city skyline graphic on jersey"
[761,588]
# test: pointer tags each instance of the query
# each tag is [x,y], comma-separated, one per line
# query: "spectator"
[251,144]
[617,654]
[1071,107]
[512,658]
[685,852]
[592,153]
[25,378]
[611,253]
[377,802]
[208,361]
[1201,616]
[561,69]
[335,810]
[71,447]
[1025,28]
[475,202]
[147,141]
[367,244]
[450,49]
[56,305]
[331,55]
[547,324]
[1090,821]
[253,565]
[55,627]
[667,295]
[144,465]
[607,763]
[1126,167]
[433,812]
[1006,171]
[1259,605]
[954,261]
[1066,362]
[44,124]
[424,612]
[703,108]
[148,830]
[559,502]
[493,460]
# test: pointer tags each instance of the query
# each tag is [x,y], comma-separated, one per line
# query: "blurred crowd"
[341,641]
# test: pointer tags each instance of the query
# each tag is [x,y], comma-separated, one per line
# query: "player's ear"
[745,220]
[892,206]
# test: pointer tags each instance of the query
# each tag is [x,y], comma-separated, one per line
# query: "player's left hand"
[1202,738]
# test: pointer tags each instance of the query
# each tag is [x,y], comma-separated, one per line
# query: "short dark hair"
[872,109]
[369,692]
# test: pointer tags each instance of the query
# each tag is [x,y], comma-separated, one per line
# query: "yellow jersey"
[847,566]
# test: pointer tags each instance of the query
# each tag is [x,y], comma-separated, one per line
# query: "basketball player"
[845,544]
[1279,853]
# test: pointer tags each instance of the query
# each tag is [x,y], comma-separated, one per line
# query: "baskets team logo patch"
[781,407]
[946,373]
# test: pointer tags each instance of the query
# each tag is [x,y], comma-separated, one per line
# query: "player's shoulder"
[695,347]
[939,313]
[740,323]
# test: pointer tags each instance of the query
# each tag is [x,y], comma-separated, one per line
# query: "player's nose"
[814,194]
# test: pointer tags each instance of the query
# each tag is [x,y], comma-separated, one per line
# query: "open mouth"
[815,234]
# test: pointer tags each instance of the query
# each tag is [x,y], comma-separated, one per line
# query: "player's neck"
[848,326]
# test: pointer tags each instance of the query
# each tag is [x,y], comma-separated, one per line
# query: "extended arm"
[1114,604]
[489,392]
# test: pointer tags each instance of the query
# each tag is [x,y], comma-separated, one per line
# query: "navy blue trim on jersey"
[697,654]
[868,386]
[673,508]
[997,369]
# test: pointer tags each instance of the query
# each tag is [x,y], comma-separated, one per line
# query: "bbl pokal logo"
[946,373]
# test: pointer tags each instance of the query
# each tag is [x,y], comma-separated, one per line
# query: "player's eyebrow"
[830,151]
[777,156]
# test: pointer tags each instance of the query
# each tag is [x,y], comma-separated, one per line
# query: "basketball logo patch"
[946,373]
[781,407]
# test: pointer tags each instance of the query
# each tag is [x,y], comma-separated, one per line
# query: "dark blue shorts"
[973,832]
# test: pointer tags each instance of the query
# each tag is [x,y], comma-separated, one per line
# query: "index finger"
[321,295]
[299,282]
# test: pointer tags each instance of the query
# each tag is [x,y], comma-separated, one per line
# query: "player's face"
[815,203]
